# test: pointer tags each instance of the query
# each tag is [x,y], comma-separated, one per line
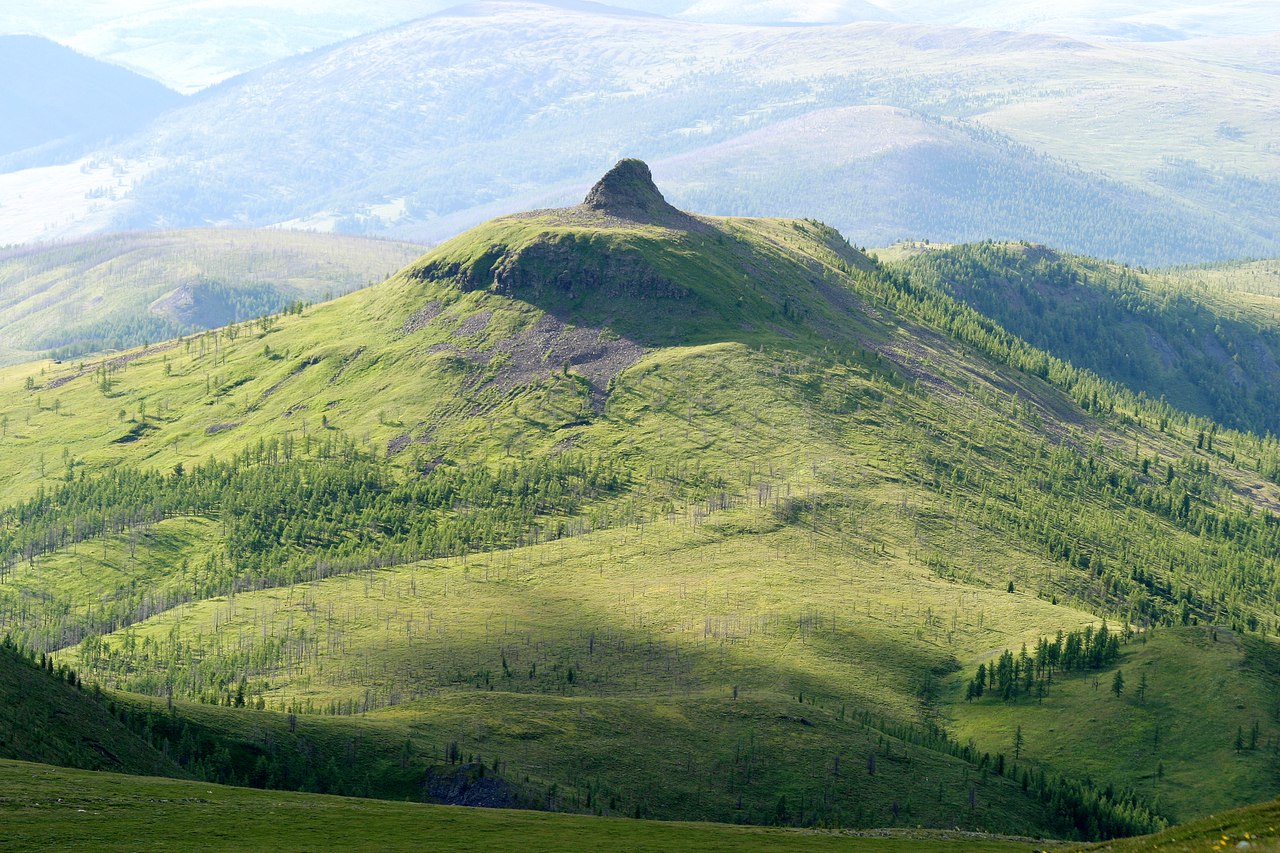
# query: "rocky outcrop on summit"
[627,192]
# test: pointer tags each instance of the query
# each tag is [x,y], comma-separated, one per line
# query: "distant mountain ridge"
[56,103]
[122,290]
[412,132]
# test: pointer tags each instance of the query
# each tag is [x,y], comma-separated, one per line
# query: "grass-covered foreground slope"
[1254,828]
[1205,339]
[46,718]
[45,808]
[666,516]
[124,290]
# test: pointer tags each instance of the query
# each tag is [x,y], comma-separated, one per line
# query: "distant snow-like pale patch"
[61,202]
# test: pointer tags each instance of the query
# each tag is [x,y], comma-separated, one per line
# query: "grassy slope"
[864,590]
[47,808]
[1250,287]
[92,292]
[1200,693]
[1197,338]
[43,718]
[1251,828]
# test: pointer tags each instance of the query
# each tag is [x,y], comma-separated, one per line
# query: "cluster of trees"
[1010,676]
[299,510]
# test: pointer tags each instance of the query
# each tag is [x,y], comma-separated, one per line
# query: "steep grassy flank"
[120,291]
[1209,349]
[44,718]
[47,808]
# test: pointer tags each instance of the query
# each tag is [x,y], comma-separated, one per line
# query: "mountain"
[192,45]
[901,174]
[412,131]
[1203,352]
[786,12]
[123,290]
[638,512]
[58,104]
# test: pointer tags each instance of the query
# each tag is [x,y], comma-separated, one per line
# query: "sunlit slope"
[620,461]
[1191,698]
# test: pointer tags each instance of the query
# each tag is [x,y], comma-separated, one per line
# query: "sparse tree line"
[283,504]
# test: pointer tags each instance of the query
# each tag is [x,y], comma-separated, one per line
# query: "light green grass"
[94,290]
[1254,828]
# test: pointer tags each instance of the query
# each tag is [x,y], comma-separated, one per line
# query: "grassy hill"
[1251,828]
[586,467]
[45,718]
[124,290]
[1204,338]
[112,812]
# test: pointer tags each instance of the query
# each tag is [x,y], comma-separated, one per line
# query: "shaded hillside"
[45,718]
[57,104]
[124,290]
[616,462]
[131,814]
[1148,332]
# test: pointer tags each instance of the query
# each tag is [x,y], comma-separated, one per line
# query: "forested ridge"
[1127,325]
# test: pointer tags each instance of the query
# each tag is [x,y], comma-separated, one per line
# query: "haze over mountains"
[425,128]
[191,45]
[56,104]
